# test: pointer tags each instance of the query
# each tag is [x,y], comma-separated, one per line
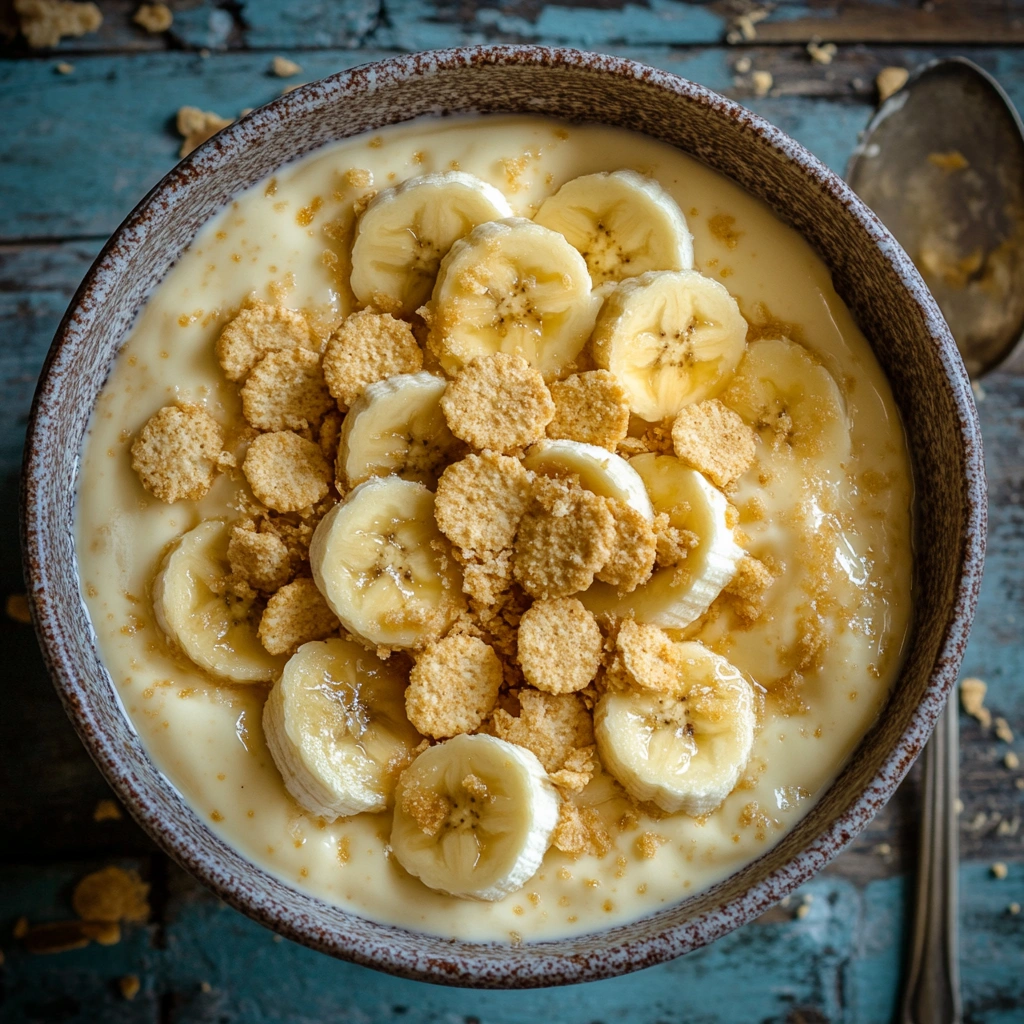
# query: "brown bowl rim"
[443,961]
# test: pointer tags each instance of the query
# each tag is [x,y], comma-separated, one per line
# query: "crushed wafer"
[368,347]
[329,435]
[559,645]
[178,451]
[672,545]
[295,615]
[748,588]
[634,548]
[453,686]
[580,831]
[647,844]
[111,894]
[646,657]
[45,22]
[499,403]
[590,407]
[578,769]
[260,559]
[154,18]
[972,699]
[286,390]
[196,126]
[428,808]
[480,502]
[257,329]
[488,580]
[286,472]
[714,440]
[564,538]
[551,725]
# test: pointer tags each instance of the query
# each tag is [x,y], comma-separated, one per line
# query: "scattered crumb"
[1011,760]
[428,808]
[821,53]
[260,328]
[590,407]
[999,870]
[634,548]
[64,68]
[45,22]
[763,82]
[487,580]
[646,657]
[177,453]
[129,984]
[286,390]
[564,538]
[17,608]
[196,126]
[551,725]
[111,894]
[368,347]
[883,849]
[262,560]
[1013,908]
[743,65]
[154,18]
[952,160]
[647,843]
[453,686]
[972,699]
[559,645]
[295,615]
[743,30]
[890,80]
[979,391]
[480,502]
[498,402]
[672,545]
[106,810]
[958,806]
[580,831]
[713,439]
[803,910]
[286,472]
[748,588]
[284,68]
[1003,730]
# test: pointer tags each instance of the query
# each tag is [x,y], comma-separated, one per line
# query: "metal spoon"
[942,164]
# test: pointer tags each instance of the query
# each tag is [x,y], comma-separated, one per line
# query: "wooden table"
[77,150]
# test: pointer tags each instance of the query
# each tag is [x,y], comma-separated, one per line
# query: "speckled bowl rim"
[427,958]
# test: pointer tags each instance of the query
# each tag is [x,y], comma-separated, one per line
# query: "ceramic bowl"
[871,273]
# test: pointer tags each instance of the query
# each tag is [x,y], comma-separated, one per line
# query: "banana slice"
[336,728]
[383,566]
[512,286]
[782,391]
[683,749]
[622,223]
[215,628]
[677,595]
[599,470]
[405,231]
[396,426]
[671,338]
[474,817]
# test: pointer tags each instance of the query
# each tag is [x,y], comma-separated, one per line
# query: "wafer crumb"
[972,699]
[154,18]
[1003,730]
[368,347]
[634,548]
[749,587]
[498,402]
[999,870]
[330,434]
[762,82]
[44,22]
[428,808]
[713,439]
[453,686]
[17,609]
[551,725]
[284,68]
[64,68]
[177,453]
[129,986]
[577,770]
[286,472]
[580,831]
[565,537]
[485,581]
[106,810]
[476,787]
[286,390]
[296,614]
[1011,760]
[257,329]
[111,894]
[821,53]
[672,545]
[196,126]
[262,560]
[480,502]
[590,407]
[1013,908]
[890,80]
[647,844]
[646,657]
[560,645]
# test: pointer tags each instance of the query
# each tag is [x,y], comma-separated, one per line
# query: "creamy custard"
[841,541]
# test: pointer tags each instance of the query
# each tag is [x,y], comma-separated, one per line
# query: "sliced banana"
[405,231]
[678,595]
[683,749]
[474,817]
[671,338]
[599,470]
[215,628]
[622,223]
[396,426]
[512,286]
[785,394]
[383,566]
[336,728]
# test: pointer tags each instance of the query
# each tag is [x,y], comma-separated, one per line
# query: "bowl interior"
[871,274]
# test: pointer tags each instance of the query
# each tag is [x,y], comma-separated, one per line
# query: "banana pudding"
[495,537]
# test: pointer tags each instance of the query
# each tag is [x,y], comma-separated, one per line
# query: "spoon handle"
[932,993]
